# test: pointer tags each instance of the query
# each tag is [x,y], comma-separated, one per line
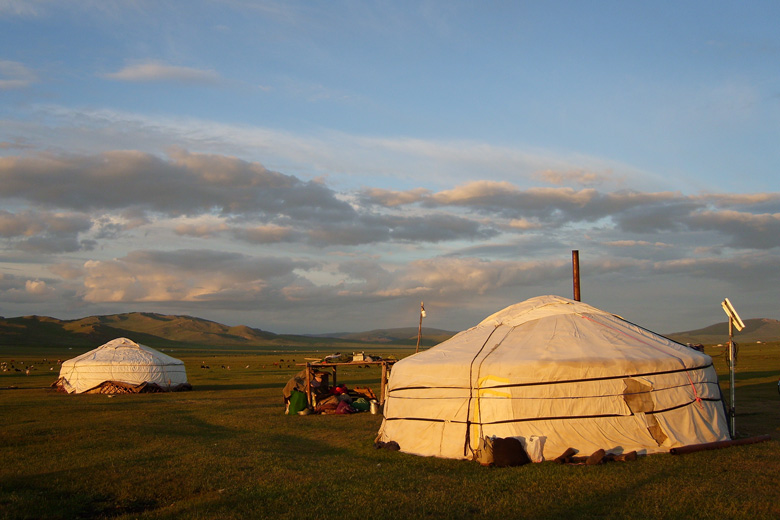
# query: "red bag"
[344,407]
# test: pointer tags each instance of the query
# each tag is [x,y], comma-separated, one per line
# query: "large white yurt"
[122,365]
[559,370]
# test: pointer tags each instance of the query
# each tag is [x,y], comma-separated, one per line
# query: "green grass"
[226,450]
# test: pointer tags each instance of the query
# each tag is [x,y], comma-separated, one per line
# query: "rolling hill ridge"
[160,330]
[756,329]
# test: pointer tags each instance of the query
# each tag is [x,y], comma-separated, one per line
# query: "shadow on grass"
[218,387]
[69,504]
[57,494]
[742,376]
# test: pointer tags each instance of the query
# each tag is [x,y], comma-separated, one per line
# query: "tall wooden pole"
[383,383]
[308,385]
[575,265]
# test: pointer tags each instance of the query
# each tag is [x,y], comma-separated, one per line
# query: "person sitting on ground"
[318,381]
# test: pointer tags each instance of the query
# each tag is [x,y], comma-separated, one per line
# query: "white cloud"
[37,287]
[155,71]
[14,75]
[344,158]
[24,8]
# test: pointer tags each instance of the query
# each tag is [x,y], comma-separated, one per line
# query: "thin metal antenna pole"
[732,389]
[419,328]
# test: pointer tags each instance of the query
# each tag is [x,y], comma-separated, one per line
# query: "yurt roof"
[124,351]
[550,338]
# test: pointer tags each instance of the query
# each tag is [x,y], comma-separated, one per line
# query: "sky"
[326,166]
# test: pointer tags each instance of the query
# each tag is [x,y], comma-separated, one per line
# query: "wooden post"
[575,265]
[419,328]
[308,384]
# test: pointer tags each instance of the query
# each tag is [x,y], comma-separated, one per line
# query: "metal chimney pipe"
[575,266]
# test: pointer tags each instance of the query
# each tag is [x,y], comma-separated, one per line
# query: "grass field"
[226,450]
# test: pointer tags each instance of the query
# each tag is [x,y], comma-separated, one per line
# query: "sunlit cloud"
[200,231]
[636,243]
[409,163]
[155,71]
[187,276]
[576,177]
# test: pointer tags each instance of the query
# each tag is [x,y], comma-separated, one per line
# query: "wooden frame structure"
[317,365]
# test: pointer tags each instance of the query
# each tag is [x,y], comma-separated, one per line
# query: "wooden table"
[385,363]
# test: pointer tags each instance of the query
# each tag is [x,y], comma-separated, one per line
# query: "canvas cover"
[123,361]
[564,371]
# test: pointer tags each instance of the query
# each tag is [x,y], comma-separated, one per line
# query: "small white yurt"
[121,365]
[558,372]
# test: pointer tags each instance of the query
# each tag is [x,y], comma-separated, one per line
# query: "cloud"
[437,228]
[344,158]
[392,198]
[765,202]
[37,287]
[67,271]
[188,276]
[201,229]
[746,230]
[194,185]
[663,214]
[24,290]
[746,271]
[24,8]
[214,234]
[45,232]
[187,184]
[16,144]
[457,277]
[155,71]
[54,244]
[636,243]
[221,196]
[632,210]
[523,224]
[579,177]
[14,75]
[268,234]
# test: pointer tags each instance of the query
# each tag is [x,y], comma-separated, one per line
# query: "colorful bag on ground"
[297,402]
[361,405]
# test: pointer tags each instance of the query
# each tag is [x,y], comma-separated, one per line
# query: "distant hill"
[758,329]
[402,335]
[160,330]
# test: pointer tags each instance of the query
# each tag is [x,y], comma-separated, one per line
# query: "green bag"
[361,404]
[297,402]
